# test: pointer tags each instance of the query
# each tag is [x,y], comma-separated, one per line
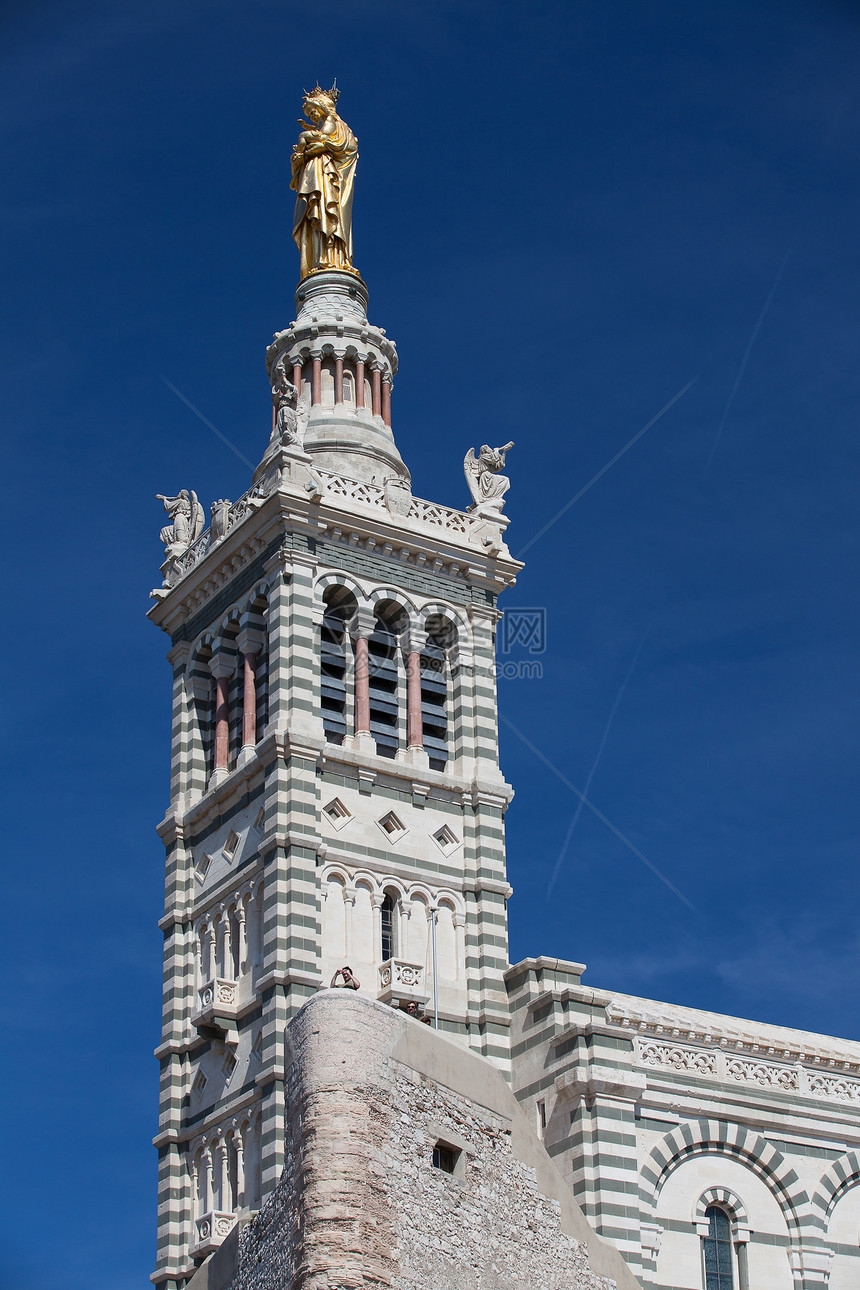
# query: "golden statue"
[324,161]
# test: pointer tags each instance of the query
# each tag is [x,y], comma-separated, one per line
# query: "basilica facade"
[337,802]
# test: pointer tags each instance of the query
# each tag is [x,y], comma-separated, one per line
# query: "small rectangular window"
[541,1116]
[444,1158]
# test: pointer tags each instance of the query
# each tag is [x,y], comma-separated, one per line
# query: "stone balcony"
[218,1002]
[402,982]
[211,1230]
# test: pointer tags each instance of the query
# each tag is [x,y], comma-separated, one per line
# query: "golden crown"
[333,94]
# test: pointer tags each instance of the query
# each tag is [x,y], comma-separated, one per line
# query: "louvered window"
[333,644]
[382,666]
[718,1250]
[434,704]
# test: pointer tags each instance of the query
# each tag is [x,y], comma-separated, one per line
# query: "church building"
[336,819]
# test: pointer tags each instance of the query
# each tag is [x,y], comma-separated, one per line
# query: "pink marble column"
[297,378]
[316,381]
[338,380]
[376,380]
[222,721]
[414,724]
[386,401]
[249,700]
[362,687]
[359,383]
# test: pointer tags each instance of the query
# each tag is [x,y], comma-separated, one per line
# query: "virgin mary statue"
[324,161]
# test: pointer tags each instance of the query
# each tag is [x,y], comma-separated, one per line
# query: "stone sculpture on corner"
[219,522]
[486,485]
[187,522]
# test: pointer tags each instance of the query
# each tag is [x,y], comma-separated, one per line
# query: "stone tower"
[336,797]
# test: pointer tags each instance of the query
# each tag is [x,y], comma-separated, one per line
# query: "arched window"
[339,606]
[348,391]
[718,1254]
[383,681]
[434,690]
[386,926]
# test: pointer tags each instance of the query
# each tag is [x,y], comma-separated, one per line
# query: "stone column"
[198,966]
[225,1191]
[227,945]
[195,1190]
[316,380]
[241,939]
[250,643]
[221,666]
[297,378]
[239,1143]
[338,380]
[376,388]
[413,643]
[359,382]
[386,401]
[361,628]
[362,687]
[210,951]
[209,1182]
[414,722]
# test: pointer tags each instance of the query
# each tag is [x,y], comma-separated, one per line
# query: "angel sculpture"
[486,485]
[188,522]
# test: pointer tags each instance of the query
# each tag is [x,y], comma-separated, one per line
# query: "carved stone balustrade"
[400,981]
[212,1229]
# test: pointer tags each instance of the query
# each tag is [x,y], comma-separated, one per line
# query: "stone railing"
[238,510]
[336,488]
[728,1066]
[353,490]
[401,980]
[212,1229]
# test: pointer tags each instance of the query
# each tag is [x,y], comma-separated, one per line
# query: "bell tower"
[336,798]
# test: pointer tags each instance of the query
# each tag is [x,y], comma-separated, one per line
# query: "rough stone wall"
[360,1205]
[490,1227]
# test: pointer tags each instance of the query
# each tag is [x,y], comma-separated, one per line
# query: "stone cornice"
[395,774]
[456,547]
[665,1022]
[226,1111]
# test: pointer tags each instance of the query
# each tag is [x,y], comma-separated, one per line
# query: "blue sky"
[565,212]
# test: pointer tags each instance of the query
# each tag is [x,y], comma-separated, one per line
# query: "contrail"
[604,469]
[207,422]
[546,761]
[752,340]
[594,766]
